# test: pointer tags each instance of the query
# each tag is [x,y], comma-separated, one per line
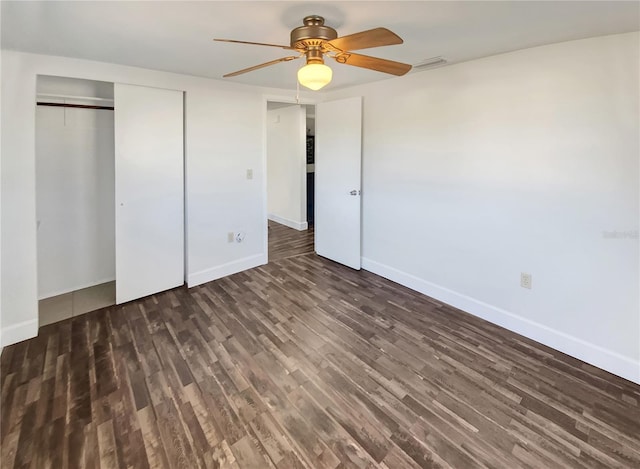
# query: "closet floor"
[68,305]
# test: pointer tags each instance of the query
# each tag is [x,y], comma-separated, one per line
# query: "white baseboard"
[296,225]
[223,270]
[18,332]
[593,354]
[76,288]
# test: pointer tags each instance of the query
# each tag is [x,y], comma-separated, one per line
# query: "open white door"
[337,185]
[149,190]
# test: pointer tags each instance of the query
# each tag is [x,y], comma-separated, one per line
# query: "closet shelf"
[82,98]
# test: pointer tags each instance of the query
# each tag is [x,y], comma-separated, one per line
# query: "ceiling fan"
[315,40]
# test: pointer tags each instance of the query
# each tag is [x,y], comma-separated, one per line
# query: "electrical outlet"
[249,173]
[525,280]
[231,237]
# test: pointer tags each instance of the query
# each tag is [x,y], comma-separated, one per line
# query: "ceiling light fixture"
[315,75]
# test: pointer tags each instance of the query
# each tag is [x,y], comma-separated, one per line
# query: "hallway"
[285,242]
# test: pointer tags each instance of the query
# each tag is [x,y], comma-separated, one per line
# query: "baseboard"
[296,225]
[223,270]
[595,355]
[18,332]
[80,287]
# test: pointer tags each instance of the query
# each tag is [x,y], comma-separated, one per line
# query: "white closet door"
[337,180]
[149,190]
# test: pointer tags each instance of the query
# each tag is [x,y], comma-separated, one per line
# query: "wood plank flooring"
[305,363]
[285,242]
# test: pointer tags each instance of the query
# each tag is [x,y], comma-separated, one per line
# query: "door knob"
[354,192]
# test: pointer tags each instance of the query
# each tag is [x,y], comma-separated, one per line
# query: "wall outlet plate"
[525,280]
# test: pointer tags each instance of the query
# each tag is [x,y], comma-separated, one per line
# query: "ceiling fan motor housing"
[311,37]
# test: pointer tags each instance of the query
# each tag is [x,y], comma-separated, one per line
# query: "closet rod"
[82,106]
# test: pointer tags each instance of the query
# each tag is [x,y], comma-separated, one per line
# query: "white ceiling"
[177,36]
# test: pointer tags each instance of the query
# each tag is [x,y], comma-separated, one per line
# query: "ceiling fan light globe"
[315,76]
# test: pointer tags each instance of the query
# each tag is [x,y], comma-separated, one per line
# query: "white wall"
[520,162]
[74,189]
[1,121]
[223,138]
[286,166]
[51,85]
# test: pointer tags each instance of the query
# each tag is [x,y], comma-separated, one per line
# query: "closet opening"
[75,196]
[109,194]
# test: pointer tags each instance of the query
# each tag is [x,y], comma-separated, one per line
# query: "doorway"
[311,167]
[290,131]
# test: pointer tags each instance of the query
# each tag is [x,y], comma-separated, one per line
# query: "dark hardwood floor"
[285,242]
[305,363]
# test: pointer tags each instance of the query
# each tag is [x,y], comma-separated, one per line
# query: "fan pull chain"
[297,92]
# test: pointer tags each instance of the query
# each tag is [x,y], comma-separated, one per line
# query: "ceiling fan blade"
[373,63]
[363,40]
[254,43]
[256,67]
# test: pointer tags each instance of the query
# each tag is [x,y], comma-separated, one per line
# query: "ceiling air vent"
[430,63]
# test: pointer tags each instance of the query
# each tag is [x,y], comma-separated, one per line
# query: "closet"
[109,194]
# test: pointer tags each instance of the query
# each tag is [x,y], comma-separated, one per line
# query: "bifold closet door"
[149,194]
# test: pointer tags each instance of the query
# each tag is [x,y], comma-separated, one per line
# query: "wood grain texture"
[285,242]
[305,363]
